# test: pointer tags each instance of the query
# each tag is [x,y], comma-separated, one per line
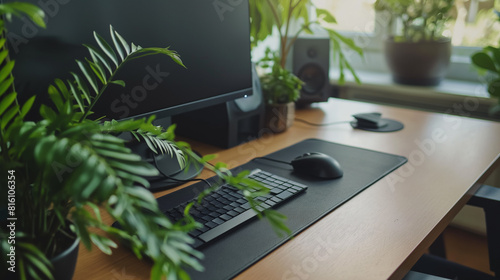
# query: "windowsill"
[457,97]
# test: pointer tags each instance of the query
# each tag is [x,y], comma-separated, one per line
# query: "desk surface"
[381,232]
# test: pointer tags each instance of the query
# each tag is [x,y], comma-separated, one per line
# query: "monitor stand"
[171,172]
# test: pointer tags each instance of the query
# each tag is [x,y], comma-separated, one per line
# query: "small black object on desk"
[375,122]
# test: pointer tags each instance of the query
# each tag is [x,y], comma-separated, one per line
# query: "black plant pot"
[421,63]
[65,263]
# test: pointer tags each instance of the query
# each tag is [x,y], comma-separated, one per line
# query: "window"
[353,15]
[474,24]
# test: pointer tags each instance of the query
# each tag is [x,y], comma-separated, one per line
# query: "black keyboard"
[226,208]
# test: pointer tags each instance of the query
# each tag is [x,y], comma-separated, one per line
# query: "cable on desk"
[175,179]
[320,124]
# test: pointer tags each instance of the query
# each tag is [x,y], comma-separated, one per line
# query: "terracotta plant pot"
[279,117]
[418,63]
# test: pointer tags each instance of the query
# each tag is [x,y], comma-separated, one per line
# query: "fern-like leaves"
[11,113]
[96,74]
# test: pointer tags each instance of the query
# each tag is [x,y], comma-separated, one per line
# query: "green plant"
[69,167]
[420,20]
[280,15]
[488,62]
[279,86]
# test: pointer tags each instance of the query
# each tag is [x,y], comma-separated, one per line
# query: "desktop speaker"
[311,61]
[228,124]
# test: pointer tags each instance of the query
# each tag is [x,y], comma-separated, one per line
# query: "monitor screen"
[211,37]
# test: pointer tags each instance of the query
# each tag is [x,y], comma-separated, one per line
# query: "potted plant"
[280,89]
[63,171]
[417,53]
[488,63]
[268,16]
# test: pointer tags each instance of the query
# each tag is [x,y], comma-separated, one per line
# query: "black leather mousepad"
[237,250]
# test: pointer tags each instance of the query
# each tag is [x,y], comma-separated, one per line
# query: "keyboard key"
[197,243]
[270,202]
[232,213]
[195,233]
[218,221]
[234,205]
[239,210]
[203,229]
[285,195]
[211,224]
[214,215]
[275,190]
[225,217]
[292,190]
[241,201]
[276,199]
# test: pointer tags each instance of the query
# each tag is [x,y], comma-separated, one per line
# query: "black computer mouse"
[317,165]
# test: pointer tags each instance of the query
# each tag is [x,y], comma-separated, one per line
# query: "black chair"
[436,264]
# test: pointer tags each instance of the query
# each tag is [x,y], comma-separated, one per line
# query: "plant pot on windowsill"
[422,63]
[279,117]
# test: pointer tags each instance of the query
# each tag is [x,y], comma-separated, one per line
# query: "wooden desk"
[381,232]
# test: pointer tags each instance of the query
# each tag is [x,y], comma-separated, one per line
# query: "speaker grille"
[314,78]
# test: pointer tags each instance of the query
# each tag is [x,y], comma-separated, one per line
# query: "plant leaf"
[103,243]
[118,47]
[6,70]
[27,106]
[8,116]
[4,53]
[47,112]
[99,57]
[83,87]
[325,15]
[55,96]
[106,48]
[77,96]
[125,46]
[4,86]
[118,82]
[484,61]
[62,88]
[7,101]
[98,70]
[88,75]
[151,51]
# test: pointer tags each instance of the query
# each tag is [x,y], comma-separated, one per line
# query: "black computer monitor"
[212,40]
[211,37]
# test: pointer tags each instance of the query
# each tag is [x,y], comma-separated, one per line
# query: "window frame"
[373,58]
